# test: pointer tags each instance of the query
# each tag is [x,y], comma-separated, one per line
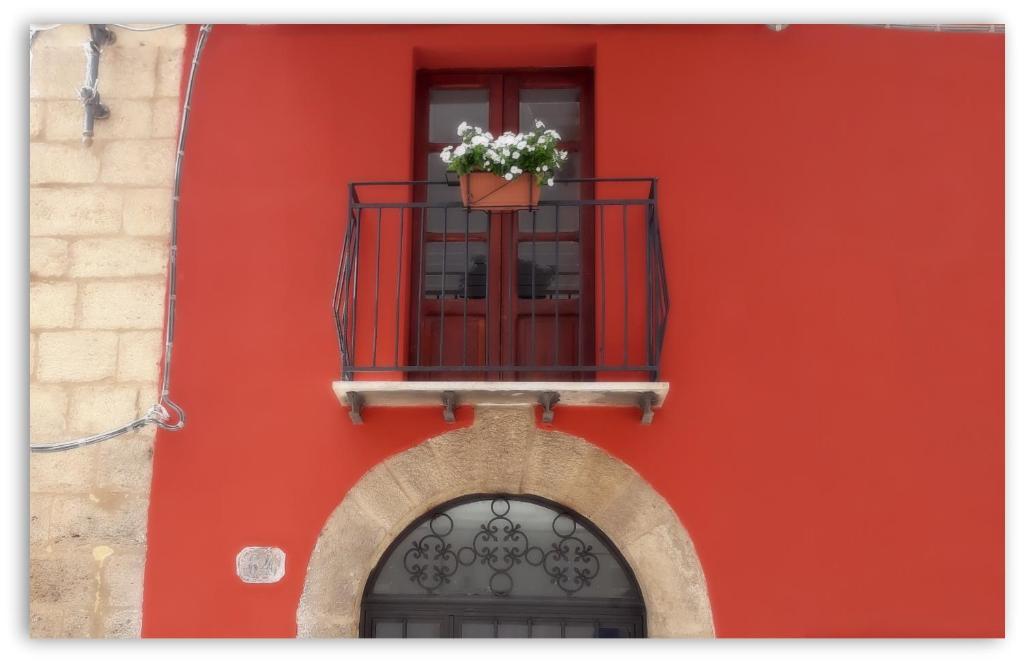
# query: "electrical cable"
[160,413]
[149,29]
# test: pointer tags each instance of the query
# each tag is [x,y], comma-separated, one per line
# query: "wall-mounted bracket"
[355,403]
[646,403]
[99,36]
[449,401]
[547,400]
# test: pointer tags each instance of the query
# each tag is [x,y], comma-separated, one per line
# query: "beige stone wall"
[99,225]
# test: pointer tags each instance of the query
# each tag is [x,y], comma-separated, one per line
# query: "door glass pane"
[419,628]
[455,270]
[553,272]
[442,193]
[513,629]
[478,629]
[449,107]
[546,630]
[613,631]
[558,109]
[579,630]
[565,190]
[387,628]
[568,217]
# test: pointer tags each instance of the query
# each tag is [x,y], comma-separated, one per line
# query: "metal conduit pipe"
[99,36]
[160,414]
[999,28]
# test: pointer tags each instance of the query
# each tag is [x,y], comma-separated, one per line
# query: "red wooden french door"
[512,289]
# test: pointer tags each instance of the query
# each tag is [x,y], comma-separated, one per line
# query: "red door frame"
[502,307]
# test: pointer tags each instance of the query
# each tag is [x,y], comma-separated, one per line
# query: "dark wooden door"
[510,290]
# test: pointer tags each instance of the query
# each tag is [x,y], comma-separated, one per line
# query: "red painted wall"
[832,208]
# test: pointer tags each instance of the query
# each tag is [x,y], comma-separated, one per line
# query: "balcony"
[565,303]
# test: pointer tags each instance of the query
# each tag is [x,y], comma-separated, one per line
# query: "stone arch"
[504,452]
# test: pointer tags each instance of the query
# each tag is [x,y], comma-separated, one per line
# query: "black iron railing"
[574,289]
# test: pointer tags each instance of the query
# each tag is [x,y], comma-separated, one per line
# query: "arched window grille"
[500,566]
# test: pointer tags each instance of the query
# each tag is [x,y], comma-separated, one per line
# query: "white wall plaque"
[260,564]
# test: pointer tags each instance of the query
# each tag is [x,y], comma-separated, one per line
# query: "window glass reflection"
[455,270]
[387,628]
[557,108]
[549,270]
[449,107]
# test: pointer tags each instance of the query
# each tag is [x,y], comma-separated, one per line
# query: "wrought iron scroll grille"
[528,551]
[622,308]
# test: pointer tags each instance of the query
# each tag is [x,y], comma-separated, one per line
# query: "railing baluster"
[580,258]
[444,283]
[625,285]
[533,288]
[465,292]
[511,342]
[487,290]
[604,295]
[340,301]
[398,280]
[558,277]
[376,293]
[421,294]
[355,284]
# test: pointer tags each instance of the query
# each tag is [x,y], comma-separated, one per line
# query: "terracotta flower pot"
[494,193]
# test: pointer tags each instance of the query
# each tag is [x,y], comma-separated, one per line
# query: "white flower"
[507,152]
[545,168]
[462,128]
[563,155]
[542,140]
[478,140]
[508,176]
[516,155]
[516,169]
[460,150]
[489,136]
[446,157]
[521,144]
[551,181]
[538,124]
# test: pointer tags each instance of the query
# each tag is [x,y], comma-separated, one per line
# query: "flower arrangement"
[509,155]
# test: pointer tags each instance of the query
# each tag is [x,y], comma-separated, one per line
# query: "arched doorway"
[504,453]
[497,566]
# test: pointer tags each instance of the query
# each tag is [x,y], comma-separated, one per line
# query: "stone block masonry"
[99,228]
